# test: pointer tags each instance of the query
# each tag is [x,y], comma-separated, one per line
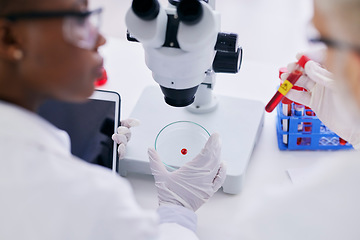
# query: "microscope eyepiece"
[146,9]
[179,97]
[190,12]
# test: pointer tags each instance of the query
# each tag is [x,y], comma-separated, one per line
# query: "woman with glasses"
[49,50]
[323,202]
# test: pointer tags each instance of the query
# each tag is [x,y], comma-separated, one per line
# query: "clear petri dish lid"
[180,142]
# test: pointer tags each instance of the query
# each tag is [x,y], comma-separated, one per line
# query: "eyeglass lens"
[82,32]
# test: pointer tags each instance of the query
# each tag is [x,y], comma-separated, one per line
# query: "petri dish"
[180,142]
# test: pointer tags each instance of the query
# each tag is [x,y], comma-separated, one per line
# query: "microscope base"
[238,121]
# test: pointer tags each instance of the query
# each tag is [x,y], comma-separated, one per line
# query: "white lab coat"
[46,193]
[324,204]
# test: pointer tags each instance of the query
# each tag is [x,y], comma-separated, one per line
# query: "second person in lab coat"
[325,204]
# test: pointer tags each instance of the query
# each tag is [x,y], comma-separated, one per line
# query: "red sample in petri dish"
[184,151]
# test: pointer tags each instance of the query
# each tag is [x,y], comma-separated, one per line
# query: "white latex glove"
[195,182]
[325,98]
[123,135]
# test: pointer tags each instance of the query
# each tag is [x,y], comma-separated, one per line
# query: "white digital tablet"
[90,126]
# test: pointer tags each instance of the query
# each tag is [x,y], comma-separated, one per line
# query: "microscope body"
[184,49]
[180,53]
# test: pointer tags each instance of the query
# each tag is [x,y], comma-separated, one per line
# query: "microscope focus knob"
[226,42]
[146,9]
[228,62]
[190,12]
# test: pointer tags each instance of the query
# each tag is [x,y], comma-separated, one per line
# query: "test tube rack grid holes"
[302,130]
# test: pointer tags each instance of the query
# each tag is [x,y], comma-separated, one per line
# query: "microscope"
[185,49]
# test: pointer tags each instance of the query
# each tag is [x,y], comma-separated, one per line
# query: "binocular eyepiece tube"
[189,11]
[146,9]
[181,43]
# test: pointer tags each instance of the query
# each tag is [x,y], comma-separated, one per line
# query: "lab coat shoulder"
[57,196]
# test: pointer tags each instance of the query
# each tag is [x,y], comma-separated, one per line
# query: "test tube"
[286,103]
[288,84]
[342,142]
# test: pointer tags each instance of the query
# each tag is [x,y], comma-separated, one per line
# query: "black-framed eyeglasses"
[335,44]
[80,28]
[50,14]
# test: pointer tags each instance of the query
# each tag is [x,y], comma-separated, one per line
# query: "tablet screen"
[90,126]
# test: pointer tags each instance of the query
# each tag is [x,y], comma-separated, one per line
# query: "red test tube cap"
[303,60]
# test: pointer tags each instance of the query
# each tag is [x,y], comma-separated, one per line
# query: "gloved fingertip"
[214,139]
[291,66]
[312,67]
[130,122]
[215,135]
[312,64]
[151,151]
[155,163]
[120,139]
[122,151]
[284,76]
[209,157]
[153,155]
[213,143]
[123,130]
[113,137]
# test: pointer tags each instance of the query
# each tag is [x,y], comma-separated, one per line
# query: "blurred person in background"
[325,204]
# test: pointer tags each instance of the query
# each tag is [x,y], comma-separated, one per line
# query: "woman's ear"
[9,47]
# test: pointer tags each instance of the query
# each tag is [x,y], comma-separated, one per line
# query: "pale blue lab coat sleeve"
[179,215]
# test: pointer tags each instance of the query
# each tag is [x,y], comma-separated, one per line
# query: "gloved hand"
[123,135]
[326,99]
[195,182]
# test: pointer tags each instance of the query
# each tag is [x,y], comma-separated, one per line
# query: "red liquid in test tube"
[288,84]
[342,142]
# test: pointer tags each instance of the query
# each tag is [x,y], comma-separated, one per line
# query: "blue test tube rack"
[306,132]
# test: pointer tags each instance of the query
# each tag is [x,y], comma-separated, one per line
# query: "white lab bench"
[271,33]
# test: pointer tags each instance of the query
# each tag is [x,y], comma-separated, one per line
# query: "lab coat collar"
[28,127]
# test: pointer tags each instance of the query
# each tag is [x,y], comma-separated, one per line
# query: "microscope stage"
[238,121]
